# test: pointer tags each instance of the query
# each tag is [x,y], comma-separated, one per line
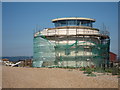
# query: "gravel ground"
[19,77]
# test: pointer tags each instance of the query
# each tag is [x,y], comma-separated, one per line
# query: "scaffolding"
[44,52]
[93,50]
[72,43]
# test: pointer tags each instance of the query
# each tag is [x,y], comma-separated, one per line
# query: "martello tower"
[73,42]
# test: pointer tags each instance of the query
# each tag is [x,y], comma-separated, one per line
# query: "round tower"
[73,42]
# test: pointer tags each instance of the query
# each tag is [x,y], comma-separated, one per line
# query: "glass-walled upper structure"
[73,21]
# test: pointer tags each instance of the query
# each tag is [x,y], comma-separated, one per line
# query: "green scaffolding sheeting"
[44,51]
[50,54]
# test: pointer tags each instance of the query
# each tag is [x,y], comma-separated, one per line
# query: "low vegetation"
[90,71]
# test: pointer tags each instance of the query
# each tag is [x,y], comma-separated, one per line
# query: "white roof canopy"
[73,18]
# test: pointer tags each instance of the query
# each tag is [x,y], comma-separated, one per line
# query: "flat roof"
[73,18]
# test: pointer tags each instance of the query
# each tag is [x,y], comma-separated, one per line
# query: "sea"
[17,58]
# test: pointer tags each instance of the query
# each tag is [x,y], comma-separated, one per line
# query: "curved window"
[72,23]
[86,23]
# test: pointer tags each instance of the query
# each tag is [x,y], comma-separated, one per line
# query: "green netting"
[44,51]
[74,55]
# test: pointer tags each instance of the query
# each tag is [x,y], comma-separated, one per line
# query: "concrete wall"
[69,31]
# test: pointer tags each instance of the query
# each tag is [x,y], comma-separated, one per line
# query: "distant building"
[112,57]
[5,59]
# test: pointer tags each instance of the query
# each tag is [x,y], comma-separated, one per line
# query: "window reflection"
[72,23]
